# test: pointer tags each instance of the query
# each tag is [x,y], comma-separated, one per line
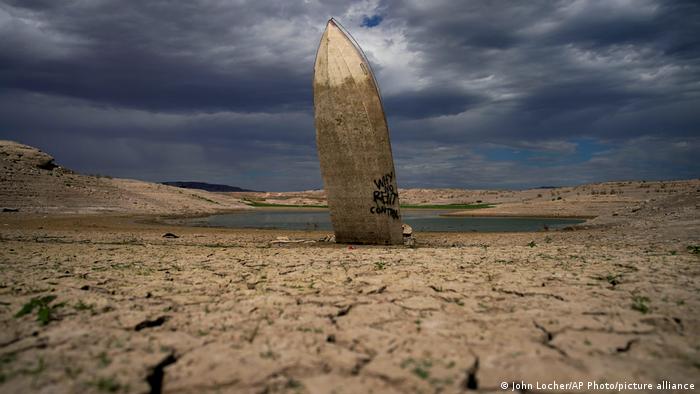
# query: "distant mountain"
[210,187]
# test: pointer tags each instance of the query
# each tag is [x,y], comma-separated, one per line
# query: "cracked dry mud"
[219,310]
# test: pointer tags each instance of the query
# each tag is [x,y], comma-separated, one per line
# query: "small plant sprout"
[641,304]
[45,312]
[614,280]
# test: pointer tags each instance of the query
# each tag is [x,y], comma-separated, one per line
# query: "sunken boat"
[353,144]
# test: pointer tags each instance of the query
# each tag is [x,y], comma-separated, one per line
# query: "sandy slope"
[219,310]
[27,183]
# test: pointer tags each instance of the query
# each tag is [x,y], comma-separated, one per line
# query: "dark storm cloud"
[158,56]
[559,71]
[429,102]
[664,25]
[485,91]
[252,149]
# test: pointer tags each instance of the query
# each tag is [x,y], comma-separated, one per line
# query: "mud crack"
[155,378]
[341,312]
[151,323]
[360,364]
[628,346]
[549,336]
[470,381]
[377,291]
[521,294]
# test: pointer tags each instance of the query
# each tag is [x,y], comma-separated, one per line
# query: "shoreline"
[184,221]
[523,216]
[180,220]
[155,225]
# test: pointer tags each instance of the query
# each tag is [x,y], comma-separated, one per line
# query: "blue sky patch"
[371,21]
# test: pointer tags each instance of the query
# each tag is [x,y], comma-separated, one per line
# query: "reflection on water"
[420,220]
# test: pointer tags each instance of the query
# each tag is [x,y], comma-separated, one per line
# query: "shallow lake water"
[421,220]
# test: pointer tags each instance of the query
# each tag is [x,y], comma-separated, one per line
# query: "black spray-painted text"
[385,196]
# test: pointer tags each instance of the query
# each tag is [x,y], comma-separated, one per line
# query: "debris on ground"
[328,238]
[286,240]
[408,238]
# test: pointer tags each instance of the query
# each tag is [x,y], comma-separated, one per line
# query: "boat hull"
[353,144]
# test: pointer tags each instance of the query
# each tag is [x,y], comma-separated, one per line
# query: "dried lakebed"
[96,303]
[420,220]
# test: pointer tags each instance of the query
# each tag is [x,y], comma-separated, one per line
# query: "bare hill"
[30,181]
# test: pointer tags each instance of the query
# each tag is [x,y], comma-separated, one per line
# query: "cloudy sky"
[477,93]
